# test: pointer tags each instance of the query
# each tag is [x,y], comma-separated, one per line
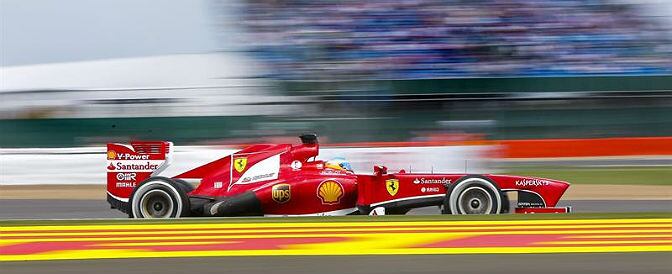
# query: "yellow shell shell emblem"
[392,186]
[239,164]
[111,154]
[330,192]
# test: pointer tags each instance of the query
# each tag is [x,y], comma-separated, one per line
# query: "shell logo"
[111,155]
[330,192]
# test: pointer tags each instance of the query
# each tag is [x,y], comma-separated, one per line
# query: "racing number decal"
[392,186]
[239,164]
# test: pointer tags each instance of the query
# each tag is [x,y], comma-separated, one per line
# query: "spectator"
[432,39]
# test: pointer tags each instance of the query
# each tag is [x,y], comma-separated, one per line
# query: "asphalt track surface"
[593,263]
[89,209]
[637,262]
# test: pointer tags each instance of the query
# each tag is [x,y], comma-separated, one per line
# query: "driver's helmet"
[338,164]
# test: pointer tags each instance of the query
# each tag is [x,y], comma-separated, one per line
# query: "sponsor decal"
[332,172]
[134,166]
[218,185]
[532,182]
[392,186]
[296,165]
[431,181]
[128,156]
[239,164]
[530,204]
[257,178]
[111,155]
[281,193]
[125,184]
[330,192]
[430,189]
[126,176]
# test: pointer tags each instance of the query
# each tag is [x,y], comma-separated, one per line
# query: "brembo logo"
[532,182]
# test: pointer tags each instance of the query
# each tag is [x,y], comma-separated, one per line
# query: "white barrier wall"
[86,165]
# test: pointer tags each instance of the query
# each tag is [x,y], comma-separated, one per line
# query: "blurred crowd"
[408,39]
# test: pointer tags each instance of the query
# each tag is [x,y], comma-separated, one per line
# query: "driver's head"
[338,164]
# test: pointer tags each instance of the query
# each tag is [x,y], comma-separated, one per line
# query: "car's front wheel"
[474,195]
[159,197]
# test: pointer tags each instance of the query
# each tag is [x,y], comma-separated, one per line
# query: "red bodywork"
[287,181]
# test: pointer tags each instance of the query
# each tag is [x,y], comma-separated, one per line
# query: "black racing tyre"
[159,197]
[505,203]
[474,195]
[187,187]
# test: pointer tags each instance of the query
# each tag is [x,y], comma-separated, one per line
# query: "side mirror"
[379,170]
[308,139]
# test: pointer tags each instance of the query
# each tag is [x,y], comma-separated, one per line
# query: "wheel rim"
[475,200]
[156,204]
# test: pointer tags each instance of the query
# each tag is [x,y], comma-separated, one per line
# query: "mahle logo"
[239,164]
[281,193]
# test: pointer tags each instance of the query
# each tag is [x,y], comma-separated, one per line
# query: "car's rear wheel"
[159,197]
[187,187]
[474,195]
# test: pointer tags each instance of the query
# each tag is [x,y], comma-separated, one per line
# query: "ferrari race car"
[287,180]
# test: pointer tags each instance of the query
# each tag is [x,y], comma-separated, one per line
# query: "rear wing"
[129,165]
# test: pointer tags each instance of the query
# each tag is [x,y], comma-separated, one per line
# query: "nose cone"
[554,191]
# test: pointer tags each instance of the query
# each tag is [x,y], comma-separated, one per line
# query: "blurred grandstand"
[435,39]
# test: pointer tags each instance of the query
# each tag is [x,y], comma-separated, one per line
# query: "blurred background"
[525,79]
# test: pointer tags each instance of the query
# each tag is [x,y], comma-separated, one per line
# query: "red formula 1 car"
[284,180]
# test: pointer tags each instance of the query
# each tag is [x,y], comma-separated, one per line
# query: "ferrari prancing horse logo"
[392,186]
[239,164]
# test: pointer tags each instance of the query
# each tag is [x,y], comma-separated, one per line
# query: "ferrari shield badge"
[392,186]
[281,193]
[239,164]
